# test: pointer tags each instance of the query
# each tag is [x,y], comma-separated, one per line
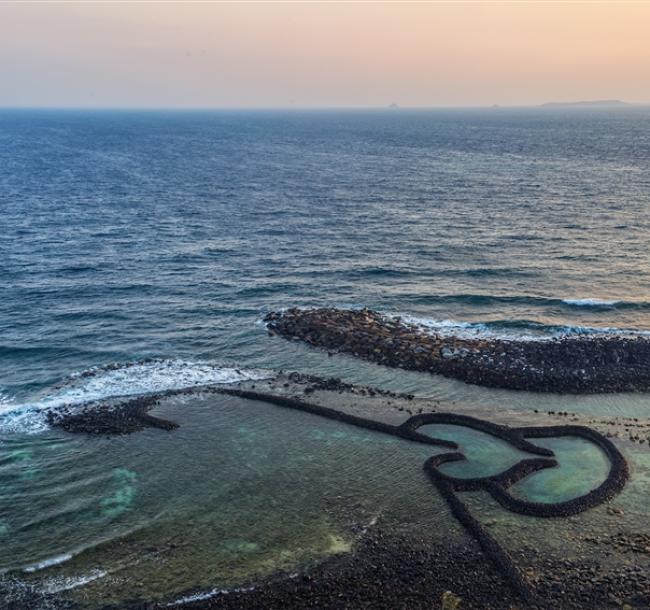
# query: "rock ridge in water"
[572,365]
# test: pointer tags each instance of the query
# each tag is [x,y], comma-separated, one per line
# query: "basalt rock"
[497,485]
[574,365]
[109,419]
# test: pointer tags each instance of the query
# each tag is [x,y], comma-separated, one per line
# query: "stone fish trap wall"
[496,485]
[572,365]
[131,415]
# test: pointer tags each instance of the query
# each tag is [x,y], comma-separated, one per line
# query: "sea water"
[168,236]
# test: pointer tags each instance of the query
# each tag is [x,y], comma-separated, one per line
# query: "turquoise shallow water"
[582,466]
[242,490]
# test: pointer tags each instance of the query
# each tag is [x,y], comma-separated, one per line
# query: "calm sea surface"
[168,235]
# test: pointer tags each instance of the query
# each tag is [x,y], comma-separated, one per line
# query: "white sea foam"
[57,585]
[128,380]
[467,330]
[590,302]
[207,595]
[523,332]
[48,563]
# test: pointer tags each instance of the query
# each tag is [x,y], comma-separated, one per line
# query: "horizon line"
[595,104]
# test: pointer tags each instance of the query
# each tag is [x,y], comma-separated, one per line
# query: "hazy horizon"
[321,55]
[542,106]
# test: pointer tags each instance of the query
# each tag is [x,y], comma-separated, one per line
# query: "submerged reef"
[496,485]
[573,365]
[131,415]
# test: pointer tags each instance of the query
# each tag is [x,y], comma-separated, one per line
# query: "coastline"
[388,569]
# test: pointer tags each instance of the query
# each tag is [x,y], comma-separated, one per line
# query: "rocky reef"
[572,365]
[400,572]
[110,419]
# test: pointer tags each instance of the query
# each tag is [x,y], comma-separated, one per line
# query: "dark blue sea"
[129,235]
[148,246]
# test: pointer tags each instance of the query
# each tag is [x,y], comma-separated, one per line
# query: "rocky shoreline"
[571,365]
[385,571]
[389,569]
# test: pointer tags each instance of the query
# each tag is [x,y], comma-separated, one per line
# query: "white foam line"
[128,380]
[57,585]
[590,302]
[208,594]
[466,330]
[475,330]
[48,563]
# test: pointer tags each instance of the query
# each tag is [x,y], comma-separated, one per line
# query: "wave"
[129,379]
[48,563]
[507,272]
[58,585]
[385,272]
[599,303]
[28,353]
[208,595]
[523,330]
[536,301]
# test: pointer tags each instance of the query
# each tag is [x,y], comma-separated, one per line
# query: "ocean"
[130,235]
[162,238]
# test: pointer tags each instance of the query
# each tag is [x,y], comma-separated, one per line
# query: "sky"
[322,54]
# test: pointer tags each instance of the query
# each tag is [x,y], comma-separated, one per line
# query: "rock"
[574,365]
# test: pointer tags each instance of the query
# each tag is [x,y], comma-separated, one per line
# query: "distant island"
[587,104]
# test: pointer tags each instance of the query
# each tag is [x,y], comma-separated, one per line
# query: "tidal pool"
[582,466]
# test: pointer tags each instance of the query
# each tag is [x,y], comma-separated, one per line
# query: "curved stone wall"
[497,485]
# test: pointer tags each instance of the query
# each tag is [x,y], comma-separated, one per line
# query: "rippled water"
[160,234]
[240,491]
[169,235]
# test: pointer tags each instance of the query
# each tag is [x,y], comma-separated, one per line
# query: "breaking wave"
[528,330]
[130,379]
[48,563]
[58,585]
[531,301]
[600,303]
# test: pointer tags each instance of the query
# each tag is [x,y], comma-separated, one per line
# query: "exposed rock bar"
[572,365]
[108,419]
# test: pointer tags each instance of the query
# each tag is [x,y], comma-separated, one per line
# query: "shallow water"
[582,466]
[240,490]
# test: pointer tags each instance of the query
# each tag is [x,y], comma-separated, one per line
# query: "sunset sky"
[293,54]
